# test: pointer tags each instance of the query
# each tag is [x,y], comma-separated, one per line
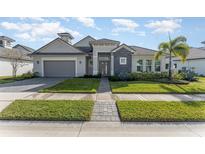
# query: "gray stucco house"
[61,58]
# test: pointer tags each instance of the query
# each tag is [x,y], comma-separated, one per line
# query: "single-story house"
[61,58]
[195,61]
[5,63]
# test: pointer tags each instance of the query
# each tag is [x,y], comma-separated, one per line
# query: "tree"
[173,48]
[16,57]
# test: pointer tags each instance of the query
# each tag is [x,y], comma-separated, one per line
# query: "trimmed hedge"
[144,76]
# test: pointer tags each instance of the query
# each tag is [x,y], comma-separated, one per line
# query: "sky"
[141,31]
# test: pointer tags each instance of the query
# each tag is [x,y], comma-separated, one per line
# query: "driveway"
[29,85]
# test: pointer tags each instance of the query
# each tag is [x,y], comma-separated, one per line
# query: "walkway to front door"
[105,108]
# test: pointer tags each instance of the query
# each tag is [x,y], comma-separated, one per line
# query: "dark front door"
[104,68]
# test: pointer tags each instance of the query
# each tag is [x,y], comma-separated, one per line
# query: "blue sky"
[146,32]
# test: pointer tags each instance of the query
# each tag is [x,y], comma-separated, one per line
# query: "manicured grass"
[58,110]
[76,85]
[157,87]
[161,111]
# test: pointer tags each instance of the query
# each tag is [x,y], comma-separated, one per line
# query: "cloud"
[65,19]
[88,22]
[33,18]
[164,26]
[124,25]
[34,31]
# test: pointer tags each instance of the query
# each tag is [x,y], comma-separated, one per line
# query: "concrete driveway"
[29,85]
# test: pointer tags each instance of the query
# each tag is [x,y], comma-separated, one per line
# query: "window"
[166,66]
[175,66]
[148,65]
[123,60]
[140,65]
[1,42]
[157,66]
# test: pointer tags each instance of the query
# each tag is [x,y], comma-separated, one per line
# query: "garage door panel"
[59,68]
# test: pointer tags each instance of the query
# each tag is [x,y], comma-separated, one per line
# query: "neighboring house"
[5,64]
[195,61]
[60,58]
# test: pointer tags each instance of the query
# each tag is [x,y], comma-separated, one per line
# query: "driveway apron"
[105,108]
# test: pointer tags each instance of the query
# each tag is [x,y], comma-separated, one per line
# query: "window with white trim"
[157,66]
[123,60]
[148,65]
[140,65]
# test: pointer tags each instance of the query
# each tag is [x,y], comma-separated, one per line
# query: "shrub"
[114,78]
[92,76]
[178,76]
[139,76]
[123,76]
[188,75]
[27,75]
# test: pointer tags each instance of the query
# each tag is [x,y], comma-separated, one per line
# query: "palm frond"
[181,51]
[164,46]
[178,40]
[158,55]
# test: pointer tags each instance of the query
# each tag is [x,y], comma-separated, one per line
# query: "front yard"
[157,87]
[48,110]
[161,111]
[75,85]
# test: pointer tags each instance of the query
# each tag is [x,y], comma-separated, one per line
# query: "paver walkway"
[105,108]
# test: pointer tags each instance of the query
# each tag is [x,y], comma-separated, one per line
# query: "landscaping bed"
[75,85]
[55,110]
[161,111]
[158,87]
[8,79]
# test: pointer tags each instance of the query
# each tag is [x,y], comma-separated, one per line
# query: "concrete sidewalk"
[101,129]
[160,97]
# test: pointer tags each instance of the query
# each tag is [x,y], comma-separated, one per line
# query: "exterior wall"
[198,65]
[122,68]
[135,58]
[80,61]
[6,69]
[99,49]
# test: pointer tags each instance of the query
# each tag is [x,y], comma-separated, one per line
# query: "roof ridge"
[84,39]
[141,47]
[58,38]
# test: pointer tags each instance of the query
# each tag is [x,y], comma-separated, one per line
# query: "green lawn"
[76,85]
[58,110]
[157,87]
[161,111]
[7,79]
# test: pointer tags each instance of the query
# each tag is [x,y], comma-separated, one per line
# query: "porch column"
[153,65]
[112,64]
[95,63]
[144,65]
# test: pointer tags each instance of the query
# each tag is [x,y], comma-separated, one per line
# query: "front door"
[104,68]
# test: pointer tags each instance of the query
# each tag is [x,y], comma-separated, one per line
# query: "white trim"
[59,59]
[125,60]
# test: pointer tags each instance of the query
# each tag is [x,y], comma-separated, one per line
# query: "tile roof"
[143,51]
[195,53]
[104,40]
[25,47]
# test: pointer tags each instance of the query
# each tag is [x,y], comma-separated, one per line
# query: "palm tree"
[176,47]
